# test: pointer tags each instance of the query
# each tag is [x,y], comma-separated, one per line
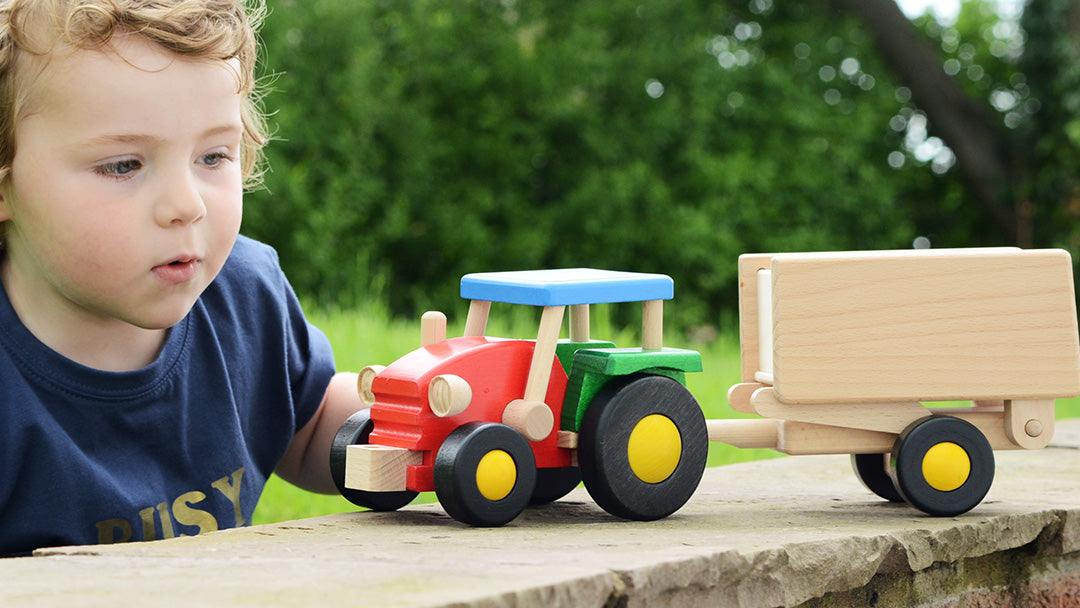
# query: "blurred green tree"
[421,139]
[1002,92]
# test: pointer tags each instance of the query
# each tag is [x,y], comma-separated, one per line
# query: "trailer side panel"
[924,325]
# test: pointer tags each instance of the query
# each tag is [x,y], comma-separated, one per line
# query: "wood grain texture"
[802,438]
[533,419]
[1029,422]
[749,265]
[923,326]
[892,417]
[378,468]
[652,324]
[738,396]
[546,342]
[476,321]
[758,433]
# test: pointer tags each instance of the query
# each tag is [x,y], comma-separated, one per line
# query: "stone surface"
[771,533]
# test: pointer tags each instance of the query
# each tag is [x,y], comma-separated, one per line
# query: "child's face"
[125,194]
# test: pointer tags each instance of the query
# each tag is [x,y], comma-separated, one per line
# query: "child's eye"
[214,159]
[118,169]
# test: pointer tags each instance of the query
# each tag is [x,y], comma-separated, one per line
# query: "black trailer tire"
[485,474]
[660,481]
[871,471]
[942,465]
[355,431]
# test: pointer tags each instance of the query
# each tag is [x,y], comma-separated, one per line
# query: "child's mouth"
[177,271]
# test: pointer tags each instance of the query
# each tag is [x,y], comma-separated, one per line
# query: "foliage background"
[421,139]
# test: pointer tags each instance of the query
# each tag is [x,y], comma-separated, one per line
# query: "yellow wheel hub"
[654,449]
[946,466]
[496,475]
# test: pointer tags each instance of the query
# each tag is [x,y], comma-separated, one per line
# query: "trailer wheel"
[642,447]
[485,474]
[870,469]
[355,431]
[942,465]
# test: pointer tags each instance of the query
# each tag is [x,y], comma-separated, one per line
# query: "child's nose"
[180,202]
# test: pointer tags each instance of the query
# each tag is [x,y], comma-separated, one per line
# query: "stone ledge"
[787,532]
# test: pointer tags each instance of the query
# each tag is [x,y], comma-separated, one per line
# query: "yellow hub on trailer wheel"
[496,475]
[654,449]
[946,466]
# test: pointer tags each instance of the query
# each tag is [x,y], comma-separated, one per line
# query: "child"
[155,368]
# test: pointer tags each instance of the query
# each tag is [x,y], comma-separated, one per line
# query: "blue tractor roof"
[566,287]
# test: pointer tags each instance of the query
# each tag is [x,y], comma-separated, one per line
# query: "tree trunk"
[963,123]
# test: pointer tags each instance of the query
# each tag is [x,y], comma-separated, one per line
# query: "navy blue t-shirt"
[179,447]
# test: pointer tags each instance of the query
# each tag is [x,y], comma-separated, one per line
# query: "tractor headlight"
[449,395]
[363,384]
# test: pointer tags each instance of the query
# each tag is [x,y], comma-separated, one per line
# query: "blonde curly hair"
[215,30]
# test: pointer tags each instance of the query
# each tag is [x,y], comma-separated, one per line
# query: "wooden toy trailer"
[842,353]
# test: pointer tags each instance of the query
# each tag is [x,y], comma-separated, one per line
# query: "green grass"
[369,336]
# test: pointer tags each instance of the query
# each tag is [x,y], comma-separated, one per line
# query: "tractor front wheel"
[485,474]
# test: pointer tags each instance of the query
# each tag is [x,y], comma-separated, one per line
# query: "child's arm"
[306,462]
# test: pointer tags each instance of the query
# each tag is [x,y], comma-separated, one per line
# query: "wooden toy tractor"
[492,424]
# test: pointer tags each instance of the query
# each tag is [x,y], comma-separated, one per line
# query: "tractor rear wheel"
[642,447]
